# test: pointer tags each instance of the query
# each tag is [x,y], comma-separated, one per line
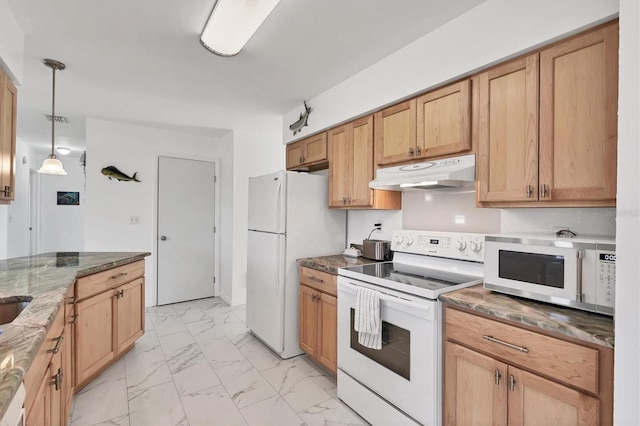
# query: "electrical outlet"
[134,220]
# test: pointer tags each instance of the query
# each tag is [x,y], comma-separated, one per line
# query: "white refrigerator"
[288,219]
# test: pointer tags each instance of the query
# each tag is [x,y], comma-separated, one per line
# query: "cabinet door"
[475,391]
[315,148]
[396,133]
[534,400]
[294,155]
[362,162]
[444,120]
[95,343]
[308,320]
[328,333]
[8,111]
[130,313]
[508,132]
[40,413]
[55,378]
[340,168]
[578,117]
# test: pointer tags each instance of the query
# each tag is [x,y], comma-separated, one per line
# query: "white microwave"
[577,273]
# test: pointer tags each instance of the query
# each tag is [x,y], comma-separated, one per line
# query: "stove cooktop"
[416,280]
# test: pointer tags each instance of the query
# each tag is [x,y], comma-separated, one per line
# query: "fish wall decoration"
[302,121]
[113,173]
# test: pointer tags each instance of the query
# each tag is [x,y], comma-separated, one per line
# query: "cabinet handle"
[7,191]
[344,200]
[498,376]
[72,300]
[120,275]
[74,319]
[56,349]
[529,191]
[120,294]
[57,379]
[418,151]
[314,297]
[543,191]
[501,342]
[512,383]
[316,279]
[300,160]
[303,159]
[410,152]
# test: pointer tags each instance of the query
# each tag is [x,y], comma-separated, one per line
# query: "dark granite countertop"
[593,328]
[45,278]
[331,264]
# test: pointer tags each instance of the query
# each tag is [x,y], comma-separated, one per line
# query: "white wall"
[627,367]
[61,227]
[360,224]
[109,203]
[11,44]
[18,211]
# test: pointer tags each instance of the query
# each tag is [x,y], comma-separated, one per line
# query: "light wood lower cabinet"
[45,401]
[318,317]
[108,323]
[499,374]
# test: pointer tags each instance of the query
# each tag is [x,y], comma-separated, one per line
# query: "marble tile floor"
[198,364]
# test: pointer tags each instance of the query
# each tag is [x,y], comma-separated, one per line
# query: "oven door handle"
[424,310]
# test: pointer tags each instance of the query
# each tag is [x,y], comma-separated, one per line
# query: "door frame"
[216,218]
[34,212]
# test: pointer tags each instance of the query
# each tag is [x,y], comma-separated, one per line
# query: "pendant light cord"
[53,112]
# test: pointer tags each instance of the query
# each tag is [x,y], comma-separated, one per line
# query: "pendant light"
[51,165]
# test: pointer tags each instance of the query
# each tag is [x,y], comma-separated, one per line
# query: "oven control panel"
[452,245]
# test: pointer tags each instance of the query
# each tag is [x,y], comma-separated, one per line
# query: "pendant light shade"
[51,165]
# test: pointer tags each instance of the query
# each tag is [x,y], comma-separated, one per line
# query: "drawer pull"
[500,342]
[120,275]
[56,349]
[318,280]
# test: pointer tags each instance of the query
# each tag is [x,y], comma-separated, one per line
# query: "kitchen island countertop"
[332,263]
[585,326]
[45,278]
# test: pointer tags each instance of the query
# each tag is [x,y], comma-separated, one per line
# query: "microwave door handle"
[579,294]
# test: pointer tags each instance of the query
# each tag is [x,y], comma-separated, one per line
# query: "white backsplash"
[360,223]
[582,221]
[447,209]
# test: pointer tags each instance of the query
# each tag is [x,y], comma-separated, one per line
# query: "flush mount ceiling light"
[232,23]
[63,150]
[51,165]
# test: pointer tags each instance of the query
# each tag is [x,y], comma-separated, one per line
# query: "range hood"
[448,172]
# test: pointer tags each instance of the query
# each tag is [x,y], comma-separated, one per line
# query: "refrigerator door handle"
[278,263]
[278,206]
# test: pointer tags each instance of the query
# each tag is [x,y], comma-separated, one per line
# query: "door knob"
[163,238]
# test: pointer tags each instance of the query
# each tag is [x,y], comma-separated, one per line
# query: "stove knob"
[475,246]
[461,245]
[409,240]
[399,238]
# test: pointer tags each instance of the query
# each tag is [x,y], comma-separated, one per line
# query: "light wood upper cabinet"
[507,131]
[351,169]
[8,113]
[547,125]
[396,133]
[444,121]
[308,154]
[578,117]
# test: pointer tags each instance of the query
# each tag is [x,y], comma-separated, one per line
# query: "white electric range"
[402,383]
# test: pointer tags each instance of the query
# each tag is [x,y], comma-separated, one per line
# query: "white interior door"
[186,241]
[34,210]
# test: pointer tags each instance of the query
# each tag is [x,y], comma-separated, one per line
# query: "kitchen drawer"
[106,280]
[319,280]
[41,361]
[560,360]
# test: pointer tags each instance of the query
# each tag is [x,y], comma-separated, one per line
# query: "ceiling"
[141,61]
